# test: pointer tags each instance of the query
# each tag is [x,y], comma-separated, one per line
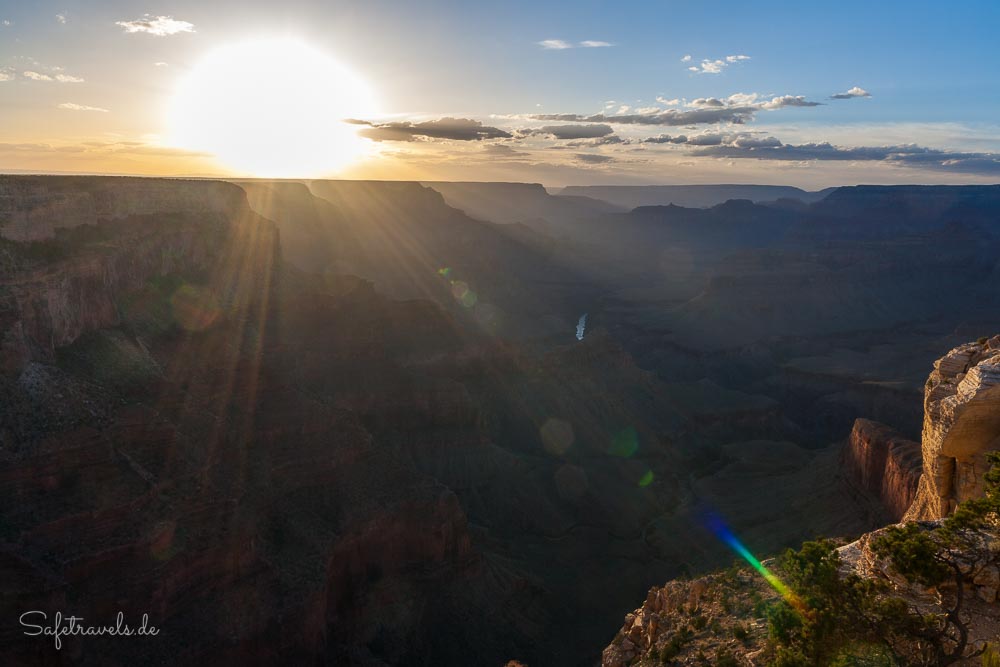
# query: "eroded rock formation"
[884,463]
[961,425]
[33,208]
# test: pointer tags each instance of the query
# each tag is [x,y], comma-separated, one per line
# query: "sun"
[272,108]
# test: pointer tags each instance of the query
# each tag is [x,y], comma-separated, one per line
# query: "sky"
[812,94]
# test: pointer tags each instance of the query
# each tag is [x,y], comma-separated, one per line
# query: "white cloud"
[6,22]
[624,109]
[742,98]
[555,44]
[6,74]
[712,66]
[856,91]
[61,18]
[788,101]
[61,78]
[561,44]
[161,26]
[80,107]
[161,64]
[686,59]
[670,103]
[709,66]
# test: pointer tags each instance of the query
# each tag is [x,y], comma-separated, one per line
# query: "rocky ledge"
[961,424]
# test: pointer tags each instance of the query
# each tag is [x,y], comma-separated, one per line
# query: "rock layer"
[33,208]
[961,425]
[884,463]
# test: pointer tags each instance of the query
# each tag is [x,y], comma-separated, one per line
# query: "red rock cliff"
[884,463]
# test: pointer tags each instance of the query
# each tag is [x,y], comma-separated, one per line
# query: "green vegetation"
[841,620]
[676,644]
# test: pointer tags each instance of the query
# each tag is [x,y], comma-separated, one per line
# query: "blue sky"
[929,70]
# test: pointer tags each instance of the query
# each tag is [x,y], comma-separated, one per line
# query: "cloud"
[161,64]
[574,131]
[665,139]
[669,103]
[707,102]
[61,18]
[738,109]
[561,44]
[856,91]
[502,151]
[58,77]
[610,140]
[686,59]
[708,139]
[71,106]
[789,101]
[6,23]
[737,140]
[103,148]
[909,155]
[161,26]
[709,66]
[6,74]
[668,117]
[456,129]
[593,158]
[555,44]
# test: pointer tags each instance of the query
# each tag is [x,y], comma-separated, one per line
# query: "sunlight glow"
[272,108]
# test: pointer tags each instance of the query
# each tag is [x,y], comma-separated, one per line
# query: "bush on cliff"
[838,620]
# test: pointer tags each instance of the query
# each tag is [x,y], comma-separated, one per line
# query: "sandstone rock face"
[983,580]
[884,463]
[33,208]
[961,425]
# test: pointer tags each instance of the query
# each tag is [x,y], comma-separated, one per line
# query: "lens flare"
[557,436]
[716,525]
[624,444]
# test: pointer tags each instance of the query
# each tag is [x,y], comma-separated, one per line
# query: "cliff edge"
[961,424]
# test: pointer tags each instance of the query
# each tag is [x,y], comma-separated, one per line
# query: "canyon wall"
[961,425]
[884,463]
[33,208]
[91,242]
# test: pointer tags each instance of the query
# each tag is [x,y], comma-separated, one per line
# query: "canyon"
[351,422]
[720,614]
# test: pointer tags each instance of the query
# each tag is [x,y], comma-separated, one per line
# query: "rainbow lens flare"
[723,532]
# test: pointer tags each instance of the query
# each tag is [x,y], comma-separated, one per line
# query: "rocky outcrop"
[107,241]
[884,463]
[33,208]
[961,425]
[695,622]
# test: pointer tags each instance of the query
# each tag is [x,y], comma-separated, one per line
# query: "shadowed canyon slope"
[728,615]
[351,422]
